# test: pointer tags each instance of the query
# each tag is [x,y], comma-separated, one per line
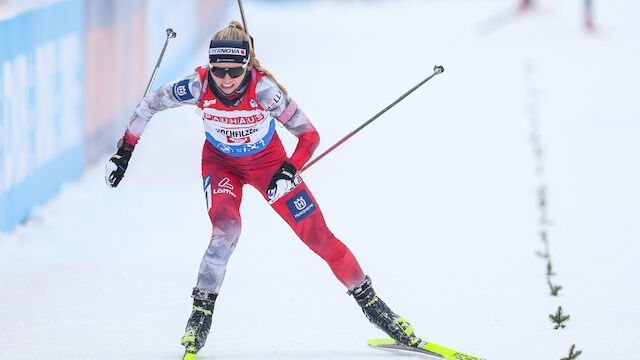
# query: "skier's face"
[228,76]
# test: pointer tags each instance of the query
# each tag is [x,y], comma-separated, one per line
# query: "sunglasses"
[221,72]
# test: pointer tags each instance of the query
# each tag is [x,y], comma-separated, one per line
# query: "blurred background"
[511,175]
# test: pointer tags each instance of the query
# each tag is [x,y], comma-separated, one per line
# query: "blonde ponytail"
[235,31]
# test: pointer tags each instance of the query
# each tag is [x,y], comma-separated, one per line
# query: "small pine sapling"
[572,355]
[542,197]
[544,255]
[543,238]
[554,288]
[550,270]
[559,318]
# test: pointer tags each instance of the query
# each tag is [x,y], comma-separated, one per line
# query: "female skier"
[239,102]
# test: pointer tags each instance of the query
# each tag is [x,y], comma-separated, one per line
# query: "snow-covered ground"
[437,198]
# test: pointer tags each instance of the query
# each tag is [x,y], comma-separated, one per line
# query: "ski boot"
[382,317]
[199,322]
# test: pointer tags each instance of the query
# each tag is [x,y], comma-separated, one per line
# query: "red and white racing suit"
[242,147]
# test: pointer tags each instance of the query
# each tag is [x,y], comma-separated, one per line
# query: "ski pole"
[244,21]
[170,35]
[436,70]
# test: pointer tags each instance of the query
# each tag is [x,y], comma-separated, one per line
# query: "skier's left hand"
[283,181]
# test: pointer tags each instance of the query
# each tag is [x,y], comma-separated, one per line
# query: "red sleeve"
[130,138]
[307,144]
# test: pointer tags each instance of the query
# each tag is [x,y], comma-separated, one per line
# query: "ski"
[429,349]
[190,355]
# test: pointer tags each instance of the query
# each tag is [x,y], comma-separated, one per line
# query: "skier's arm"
[283,108]
[185,91]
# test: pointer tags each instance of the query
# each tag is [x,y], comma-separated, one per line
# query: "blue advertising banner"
[50,126]
[41,90]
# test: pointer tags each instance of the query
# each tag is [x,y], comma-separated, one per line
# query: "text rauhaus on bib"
[238,132]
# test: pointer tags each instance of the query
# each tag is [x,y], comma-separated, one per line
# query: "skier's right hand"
[283,181]
[117,165]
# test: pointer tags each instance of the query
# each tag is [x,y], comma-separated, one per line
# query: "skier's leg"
[300,210]
[223,193]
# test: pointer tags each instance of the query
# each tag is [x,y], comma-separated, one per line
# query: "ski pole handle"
[170,35]
[436,70]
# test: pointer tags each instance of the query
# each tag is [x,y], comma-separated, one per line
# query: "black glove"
[117,165]
[276,189]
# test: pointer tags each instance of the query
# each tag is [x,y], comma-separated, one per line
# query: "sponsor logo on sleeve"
[181,91]
[276,101]
[301,205]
